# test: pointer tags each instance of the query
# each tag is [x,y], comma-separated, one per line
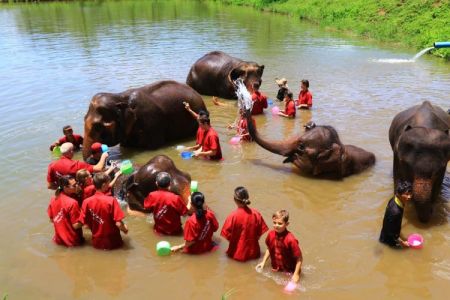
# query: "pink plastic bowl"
[290,287]
[235,140]
[275,110]
[415,241]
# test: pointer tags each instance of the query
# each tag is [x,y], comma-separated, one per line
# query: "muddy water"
[54,57]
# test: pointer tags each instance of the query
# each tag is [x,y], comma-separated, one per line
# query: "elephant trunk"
[422,196]
[87,143]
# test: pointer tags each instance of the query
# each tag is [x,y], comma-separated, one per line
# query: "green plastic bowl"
[163,248]
[56,151]
[127,167]
[194,186]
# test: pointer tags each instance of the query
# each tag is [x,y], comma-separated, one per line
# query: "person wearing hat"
[282,88]
[67,166]
[69,137]
[96,154]
[304,97]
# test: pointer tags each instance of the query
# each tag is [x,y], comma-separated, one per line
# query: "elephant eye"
[301,147]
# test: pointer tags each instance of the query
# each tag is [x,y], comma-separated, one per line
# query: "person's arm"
[283,114]
[101,163]
[216,101]
[54,145]
[188,108]
[261,265]
[206,153]
[298,270]
[122,227]
[403,242]
[193,148]
[181,246]
[111,184]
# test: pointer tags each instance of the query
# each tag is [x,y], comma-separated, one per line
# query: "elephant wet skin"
[147,117]
[214,74]
[419,137]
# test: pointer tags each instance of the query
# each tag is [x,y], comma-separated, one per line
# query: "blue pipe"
[438,45]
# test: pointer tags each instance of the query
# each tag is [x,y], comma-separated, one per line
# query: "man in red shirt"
[103,215]
[289,106]
[66,166]
[200,130]
[304,97]
[210,146]
[69,137]
[259,100]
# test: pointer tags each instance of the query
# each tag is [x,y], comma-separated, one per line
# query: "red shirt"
[259,103]
[167,209]
[200,231]
[242,129]
[64,211]
[242,229]
[305,97]
[211,142]
[77,142]
[284,250]
[88,191]
[65,166]
[100,213]
[290,109]
[200,135]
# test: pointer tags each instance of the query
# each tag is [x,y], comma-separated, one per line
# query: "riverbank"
[415,23]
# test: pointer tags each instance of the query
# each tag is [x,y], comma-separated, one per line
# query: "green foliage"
[416,23]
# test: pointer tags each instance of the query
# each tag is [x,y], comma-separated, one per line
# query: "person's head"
[197,201]
[404,191]
[96,150]
[101,181]
[66,184]
[281,82]
[202,112]
[83,177]
[280,220]
[67,130]
[256,86]
[163,180]
[304,84]
[288,96]
[67,150]
[241,196]
[204,122]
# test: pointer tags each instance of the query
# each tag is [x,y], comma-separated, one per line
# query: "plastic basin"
[163,248]
[415,241]
[194,186]
[275,110]
[186,155]
[56,151]
[127,167]
[105,148]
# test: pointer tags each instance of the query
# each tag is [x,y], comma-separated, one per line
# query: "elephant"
[138,185]
[146,117]
[317,152]
[419,137]
[214,74]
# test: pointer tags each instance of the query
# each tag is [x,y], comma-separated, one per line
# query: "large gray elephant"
[214,74]
[419,138]
[146,117]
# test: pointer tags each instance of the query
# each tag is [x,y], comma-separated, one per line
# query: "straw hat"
[281,82]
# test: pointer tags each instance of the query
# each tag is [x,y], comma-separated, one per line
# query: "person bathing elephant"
[146,117]
[419,137]
[318,151]
[137,186]
[214,74]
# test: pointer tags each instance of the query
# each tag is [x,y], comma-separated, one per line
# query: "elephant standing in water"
[419,138]
[214,74]
[136,187]
[318,151]
[146,117]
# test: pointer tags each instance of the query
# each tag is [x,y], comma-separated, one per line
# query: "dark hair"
[63,181]
[197,200]
[403,187]
[281,214]
[241,195]
[305,82]
[256,85]
[100,179]
[202,112]
[163,179]
[67,127]
[289,94]
[204,119]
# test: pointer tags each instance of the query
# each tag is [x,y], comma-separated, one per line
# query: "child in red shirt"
[242,127]
[283,248]
[199,228]
[103,215]
[243,228]
[69,137]
[304,97]
[259,100]
[64,212]
[210,146]
[289,106]
[86,185]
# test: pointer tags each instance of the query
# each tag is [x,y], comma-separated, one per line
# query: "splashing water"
[244,97]
[421,53]
[400,60]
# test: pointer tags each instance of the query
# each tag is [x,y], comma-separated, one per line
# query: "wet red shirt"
[305,97]
[290,109]
[284,250]
[64,211]
[200,135]
[200,231]
[167,209]
[88,191]
[242,229]
[259,103]
[100,213]
[65,166]
[242,129]
[211,142]
[78,141]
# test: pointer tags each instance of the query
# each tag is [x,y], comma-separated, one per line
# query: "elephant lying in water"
[318,151]
[419,138]
[136,187]
[146,117]
[214,74]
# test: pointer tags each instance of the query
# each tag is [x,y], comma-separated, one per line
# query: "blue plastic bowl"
[186,154]
[105,148]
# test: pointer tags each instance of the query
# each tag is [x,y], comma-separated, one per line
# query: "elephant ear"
[328,157]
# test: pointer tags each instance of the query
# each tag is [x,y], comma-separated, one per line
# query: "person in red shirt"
[259,100]
[242,127]
[289,106]
[199,228]
[210,146]
[69,137]
[64,212]
[304,97]
[243,228]
[200,130]
[103,215]
[167,207]
[66,166]
[86,185]
[282,248]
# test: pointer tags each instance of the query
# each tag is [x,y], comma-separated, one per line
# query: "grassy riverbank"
[416,23]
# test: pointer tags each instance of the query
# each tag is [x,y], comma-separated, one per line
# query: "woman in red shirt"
[242,127]
[289,106]
[199,228]
[243,228]
[305,97]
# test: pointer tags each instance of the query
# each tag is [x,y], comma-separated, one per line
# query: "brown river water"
[55,57]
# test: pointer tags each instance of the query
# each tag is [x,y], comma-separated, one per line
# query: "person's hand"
[176,248]
[295,278]
[118,173]
[259,267]
[125,229]
[104,155]
[405,244]
[196,153]
[186,105]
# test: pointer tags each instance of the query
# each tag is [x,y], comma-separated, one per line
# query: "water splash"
[400,60]
[244,97]
[421,53]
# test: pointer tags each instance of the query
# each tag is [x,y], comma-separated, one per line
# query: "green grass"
[414,23]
